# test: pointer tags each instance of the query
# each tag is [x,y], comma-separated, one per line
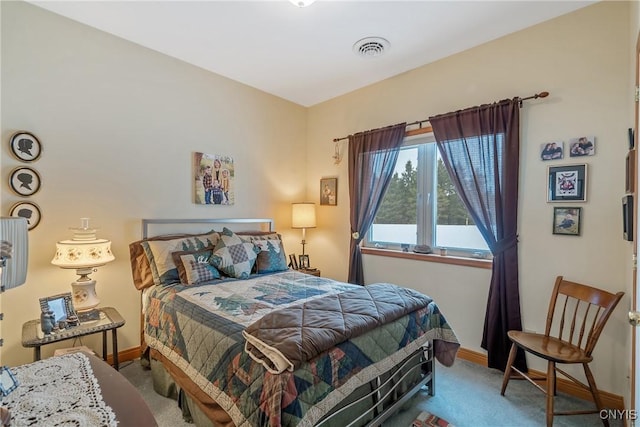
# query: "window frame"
[426,220]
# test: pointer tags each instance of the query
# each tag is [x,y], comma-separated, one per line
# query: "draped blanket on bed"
[199,329]
[284,339]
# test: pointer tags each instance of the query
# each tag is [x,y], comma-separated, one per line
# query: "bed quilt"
[199,329]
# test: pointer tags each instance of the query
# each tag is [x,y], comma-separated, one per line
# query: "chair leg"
[507,369]
[594,392]
[551,381]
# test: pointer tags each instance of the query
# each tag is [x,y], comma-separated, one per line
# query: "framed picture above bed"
[214,179]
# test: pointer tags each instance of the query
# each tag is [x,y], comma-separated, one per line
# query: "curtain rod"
[420,122]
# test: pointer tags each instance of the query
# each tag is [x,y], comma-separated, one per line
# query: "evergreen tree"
[451,210]
[399,205]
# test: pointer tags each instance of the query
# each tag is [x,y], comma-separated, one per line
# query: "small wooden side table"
[110,320]
[314,272]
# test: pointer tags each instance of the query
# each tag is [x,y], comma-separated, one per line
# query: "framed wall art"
[552,150]
[27,210]
[567,221]
[567,183]
[25,146]
[24,181]
[214,179]
[582,146]
[627,217]
[329,191]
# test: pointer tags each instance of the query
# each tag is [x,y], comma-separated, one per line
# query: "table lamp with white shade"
[303,215]
[83,253]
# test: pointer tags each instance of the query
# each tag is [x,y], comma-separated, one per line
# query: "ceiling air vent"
[371,47]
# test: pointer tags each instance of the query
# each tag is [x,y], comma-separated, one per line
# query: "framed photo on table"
[293,262]
[567,183]
[304,262]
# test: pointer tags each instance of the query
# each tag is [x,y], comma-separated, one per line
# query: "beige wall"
[118,125]
[119,122]
[583,60]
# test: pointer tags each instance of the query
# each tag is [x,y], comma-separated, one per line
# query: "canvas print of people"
[214,179]
[582,146]
[552,150]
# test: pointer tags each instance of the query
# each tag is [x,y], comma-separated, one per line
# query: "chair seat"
[549,348]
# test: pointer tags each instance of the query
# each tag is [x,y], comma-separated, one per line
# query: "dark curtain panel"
[480,148]
[372,159]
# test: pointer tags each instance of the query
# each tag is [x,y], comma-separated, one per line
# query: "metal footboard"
[385,395]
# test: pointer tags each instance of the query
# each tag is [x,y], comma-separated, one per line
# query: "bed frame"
[375,401]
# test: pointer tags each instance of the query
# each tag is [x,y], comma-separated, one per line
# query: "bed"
[249,342]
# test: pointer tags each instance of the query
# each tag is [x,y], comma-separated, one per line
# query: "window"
[422,207]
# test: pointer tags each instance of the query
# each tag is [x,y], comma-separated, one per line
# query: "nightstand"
[314,272]
[110,320]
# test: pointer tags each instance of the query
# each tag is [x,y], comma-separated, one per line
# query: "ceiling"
[305,54]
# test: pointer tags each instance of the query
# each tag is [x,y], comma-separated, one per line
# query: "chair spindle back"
[582,310]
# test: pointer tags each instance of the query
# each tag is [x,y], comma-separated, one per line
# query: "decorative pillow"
[271,257]
[159,253]
[140,267]
[233,256]
[194,267]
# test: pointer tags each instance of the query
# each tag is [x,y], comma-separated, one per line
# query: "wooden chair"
[577,314]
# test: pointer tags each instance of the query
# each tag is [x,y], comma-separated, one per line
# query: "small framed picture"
[567,221]
[582,146]
[27,210]
[329,191]
[25,146]
[567,183]
[8,381]
[552,150]
[293,263]
[304,261]
[24,181]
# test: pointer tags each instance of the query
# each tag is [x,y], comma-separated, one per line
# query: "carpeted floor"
[466,395]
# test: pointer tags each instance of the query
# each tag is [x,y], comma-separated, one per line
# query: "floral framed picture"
[567,183]
[567,221]
[329,192]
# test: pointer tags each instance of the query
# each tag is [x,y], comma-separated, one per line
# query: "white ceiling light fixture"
[302,3]
[371,47]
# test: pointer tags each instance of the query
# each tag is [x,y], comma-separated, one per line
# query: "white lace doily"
[60,391]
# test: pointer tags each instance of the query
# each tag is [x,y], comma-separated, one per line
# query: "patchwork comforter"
[200,330]
[284,339]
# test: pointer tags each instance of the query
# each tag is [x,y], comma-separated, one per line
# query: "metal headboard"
[267,223]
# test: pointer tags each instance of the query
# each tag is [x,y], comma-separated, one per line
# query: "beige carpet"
[467,395]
